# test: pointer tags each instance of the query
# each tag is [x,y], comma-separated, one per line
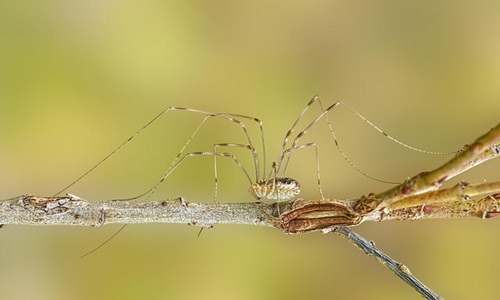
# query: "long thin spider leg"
[215,162]
[191,154]
[392,138]
[104,243]
[325,114]
[341,151]
[133,136]
[263,142]
[243,126]
[288,153]
[115,150]
[229,118]
[187,144]
[189,140]
[304,131]
[352,110]
[275,176]
[284,161]
[275,182]
[292,129]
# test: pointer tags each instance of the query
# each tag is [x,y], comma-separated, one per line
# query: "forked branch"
[419,197]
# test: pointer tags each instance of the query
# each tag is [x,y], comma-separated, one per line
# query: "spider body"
[282,188]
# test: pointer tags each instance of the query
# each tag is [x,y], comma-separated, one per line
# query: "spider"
[274,186]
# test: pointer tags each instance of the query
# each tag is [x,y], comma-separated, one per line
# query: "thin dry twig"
[397,268]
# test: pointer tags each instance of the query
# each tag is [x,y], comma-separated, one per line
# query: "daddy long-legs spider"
[274,186]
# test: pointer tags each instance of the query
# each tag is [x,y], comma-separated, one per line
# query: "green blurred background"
[79,77]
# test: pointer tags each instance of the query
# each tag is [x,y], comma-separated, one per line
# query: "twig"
[397,268]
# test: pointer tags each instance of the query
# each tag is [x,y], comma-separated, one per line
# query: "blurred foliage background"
[79,77]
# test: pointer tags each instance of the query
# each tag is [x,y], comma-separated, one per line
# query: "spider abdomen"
[282,188]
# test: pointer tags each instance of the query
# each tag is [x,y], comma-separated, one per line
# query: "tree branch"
[297,216]
[72,210]
[416,198]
